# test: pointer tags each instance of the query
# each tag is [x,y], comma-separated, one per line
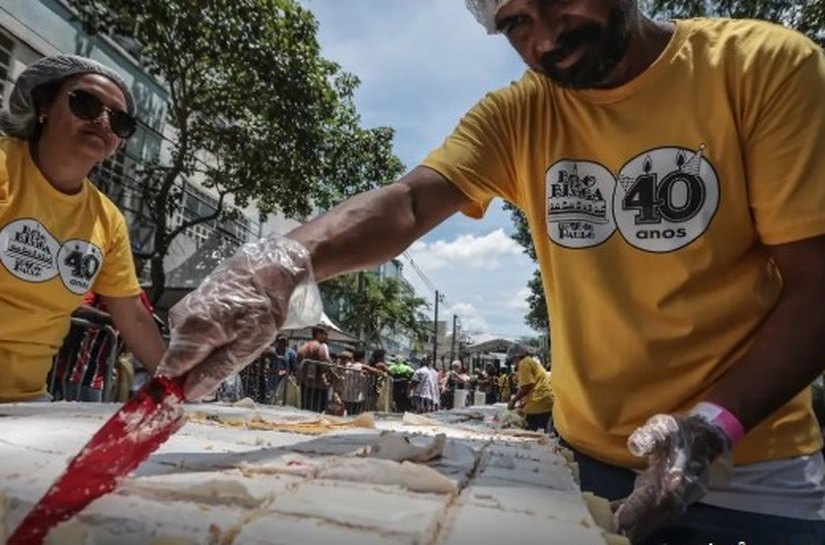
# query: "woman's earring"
[41,119]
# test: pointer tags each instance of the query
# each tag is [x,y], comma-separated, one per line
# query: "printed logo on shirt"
[662,200]
[665,198]
[79,262]
[578,213]
[28,250]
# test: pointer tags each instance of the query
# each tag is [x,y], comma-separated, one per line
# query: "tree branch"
[197,221]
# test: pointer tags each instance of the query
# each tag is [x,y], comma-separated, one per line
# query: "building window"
[6,48]
[198,204]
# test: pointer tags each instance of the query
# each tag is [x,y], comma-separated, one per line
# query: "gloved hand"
[235,313]
[680,450]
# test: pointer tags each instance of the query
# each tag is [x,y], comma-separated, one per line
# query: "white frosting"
[216,481]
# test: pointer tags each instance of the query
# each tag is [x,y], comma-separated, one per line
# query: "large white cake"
[238,475]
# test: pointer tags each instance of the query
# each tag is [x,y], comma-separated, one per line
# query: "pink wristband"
[721,418]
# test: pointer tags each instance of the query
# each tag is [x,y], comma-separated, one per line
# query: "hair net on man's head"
[485,12]
[20,118]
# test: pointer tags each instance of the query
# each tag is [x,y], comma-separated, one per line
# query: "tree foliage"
[259,114]
[373,307]
[806,16]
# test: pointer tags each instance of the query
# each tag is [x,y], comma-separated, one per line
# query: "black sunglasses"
[88,107]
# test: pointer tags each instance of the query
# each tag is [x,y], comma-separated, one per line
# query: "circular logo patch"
[665,198]
[578,203]
[28,250]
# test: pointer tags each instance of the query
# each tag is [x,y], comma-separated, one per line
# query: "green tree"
[374,307]
[260,116]
[806,16]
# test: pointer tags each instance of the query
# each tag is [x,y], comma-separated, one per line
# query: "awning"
[334,333]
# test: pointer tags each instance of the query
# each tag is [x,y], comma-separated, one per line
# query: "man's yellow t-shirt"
[53,249]
[650,206]
[540,398]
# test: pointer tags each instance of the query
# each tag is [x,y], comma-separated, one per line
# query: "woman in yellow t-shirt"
[534,392]
[59,236]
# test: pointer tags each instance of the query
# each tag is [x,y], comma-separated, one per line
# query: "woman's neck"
[63,171]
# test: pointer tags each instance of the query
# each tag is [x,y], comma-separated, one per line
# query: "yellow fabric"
[53,249]
[540,398]
[650,205]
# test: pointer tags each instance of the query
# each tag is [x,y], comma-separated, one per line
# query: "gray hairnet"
[516,352]
[485,12]
[20,119]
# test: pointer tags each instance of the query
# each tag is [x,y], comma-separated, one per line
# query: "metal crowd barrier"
[59,383]
[337,389]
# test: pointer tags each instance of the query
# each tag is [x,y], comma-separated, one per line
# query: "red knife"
[125,440]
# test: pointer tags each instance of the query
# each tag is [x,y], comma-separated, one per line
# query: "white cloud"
[519,300]
[472,321]
[468,251]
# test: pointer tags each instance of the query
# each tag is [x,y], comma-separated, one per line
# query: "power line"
[420,273]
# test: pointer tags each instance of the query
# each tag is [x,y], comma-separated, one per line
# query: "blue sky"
[422,65]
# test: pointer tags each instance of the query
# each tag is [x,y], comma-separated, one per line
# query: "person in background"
[314,360]
[504,387]
[401,374]
[534,395]
[352,385]
[493,393]
[456,379]
[424,387]
[281,361]
[61,237]
[377,360]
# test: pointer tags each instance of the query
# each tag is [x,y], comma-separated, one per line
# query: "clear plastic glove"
[680,450]
[235,313]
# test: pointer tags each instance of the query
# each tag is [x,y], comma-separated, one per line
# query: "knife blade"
[125,440]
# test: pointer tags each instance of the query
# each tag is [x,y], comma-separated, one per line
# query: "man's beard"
[596,65]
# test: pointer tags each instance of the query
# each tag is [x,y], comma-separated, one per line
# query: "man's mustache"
[570,40]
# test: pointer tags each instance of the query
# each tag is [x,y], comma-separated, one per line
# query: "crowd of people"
[347,383]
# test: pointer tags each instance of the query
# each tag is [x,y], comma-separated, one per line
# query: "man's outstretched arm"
[374,227]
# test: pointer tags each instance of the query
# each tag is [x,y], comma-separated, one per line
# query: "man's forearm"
[786,356]
[523,392]
[788,351]
[376,226]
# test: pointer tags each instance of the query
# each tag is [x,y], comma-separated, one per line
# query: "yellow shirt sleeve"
[117,277]
[785,150]
[479,156]
[526,376]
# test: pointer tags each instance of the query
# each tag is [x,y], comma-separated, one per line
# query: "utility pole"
[438,298]
[452,345]
[360,311]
